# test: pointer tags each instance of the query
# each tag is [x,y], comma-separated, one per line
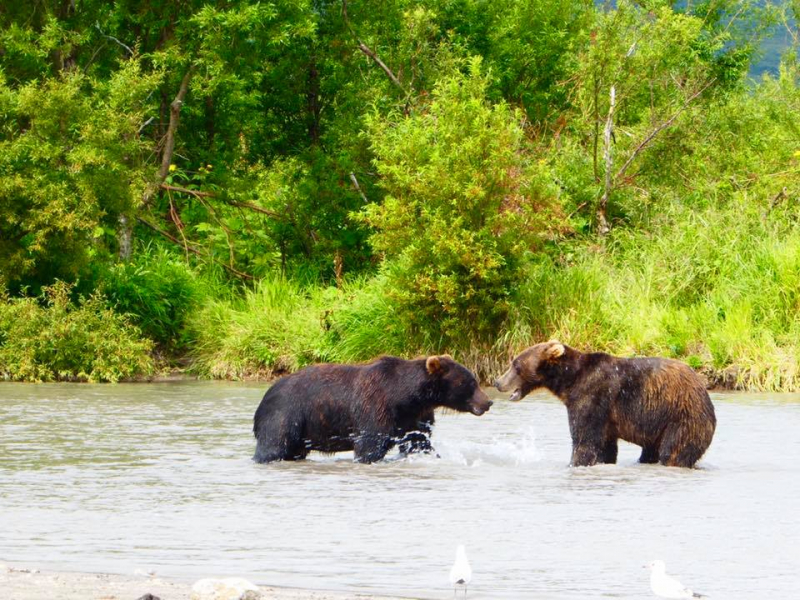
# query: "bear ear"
[554,350]
[433,365]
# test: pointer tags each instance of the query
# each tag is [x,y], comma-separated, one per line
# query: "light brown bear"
[656,403]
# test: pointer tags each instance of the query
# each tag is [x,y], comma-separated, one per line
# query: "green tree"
[463,205]
[70,167]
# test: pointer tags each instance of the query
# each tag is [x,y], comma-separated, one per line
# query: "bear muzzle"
[508,381]
[479,403]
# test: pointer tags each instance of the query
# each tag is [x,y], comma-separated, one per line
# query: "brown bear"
[368,408]
[656,403]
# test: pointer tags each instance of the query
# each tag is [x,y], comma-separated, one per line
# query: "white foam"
[514,451]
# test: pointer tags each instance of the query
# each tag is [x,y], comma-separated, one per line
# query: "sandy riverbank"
[25,583]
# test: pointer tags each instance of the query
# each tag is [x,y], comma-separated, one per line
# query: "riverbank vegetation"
[240,189]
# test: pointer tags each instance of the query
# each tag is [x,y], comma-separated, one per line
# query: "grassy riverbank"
[512,173]
[634,293]
[734,320]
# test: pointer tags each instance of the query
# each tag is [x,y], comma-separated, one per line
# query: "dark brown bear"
[366,408]
[656,403]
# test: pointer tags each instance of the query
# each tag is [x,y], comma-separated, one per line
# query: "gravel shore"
[18,583]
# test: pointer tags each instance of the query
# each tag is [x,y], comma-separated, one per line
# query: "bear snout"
[507,381]
[480,403]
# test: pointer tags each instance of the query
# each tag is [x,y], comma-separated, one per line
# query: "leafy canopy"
[462,205]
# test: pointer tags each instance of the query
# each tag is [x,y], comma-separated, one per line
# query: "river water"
[159,477]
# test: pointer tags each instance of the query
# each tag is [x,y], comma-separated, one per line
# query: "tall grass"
[364,323]
[273,328]
[282,326]
[721,291]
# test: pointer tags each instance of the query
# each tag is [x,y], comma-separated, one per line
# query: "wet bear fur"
[656,403]
[368,408]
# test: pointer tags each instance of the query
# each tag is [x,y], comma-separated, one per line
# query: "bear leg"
[585,455]
[415,442]
[610,450]
[678,448]
[418,440]
[649,455]
[280,442]
[371,447]
[270,452]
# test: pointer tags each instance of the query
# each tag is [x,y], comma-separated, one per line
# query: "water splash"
[513,450]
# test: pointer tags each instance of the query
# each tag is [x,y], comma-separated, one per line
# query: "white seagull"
[461,573]
[665,586]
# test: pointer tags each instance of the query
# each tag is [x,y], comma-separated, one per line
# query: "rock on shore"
[26,583]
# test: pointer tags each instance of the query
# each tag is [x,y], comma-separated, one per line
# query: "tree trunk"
[125,237]
[602,221]
[174,118]
[211,114]
[169,138]
[312,102]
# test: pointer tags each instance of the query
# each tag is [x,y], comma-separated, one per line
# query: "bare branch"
[369,52]
[255,208]
[358,187]
[112,38]
[198,194]
[174,118]
[779,197]
[649,138]
[145,124]
[169,138]
[192,249]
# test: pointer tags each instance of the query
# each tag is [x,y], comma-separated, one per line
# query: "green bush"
[53,339]
[463,204]
[276,327]
[158,292]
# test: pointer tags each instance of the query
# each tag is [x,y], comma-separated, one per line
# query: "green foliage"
[681,296]
[158,292]
[68,151]
[274,328]
[527,46]
[461,208]
[57,340]
[442,162]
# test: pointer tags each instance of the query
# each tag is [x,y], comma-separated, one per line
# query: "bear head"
[457,387]
[528,369]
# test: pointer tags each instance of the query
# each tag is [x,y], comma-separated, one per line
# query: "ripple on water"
[114,478]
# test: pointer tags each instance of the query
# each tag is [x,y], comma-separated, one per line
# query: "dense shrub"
[462,207]
[158,292]
[50,338]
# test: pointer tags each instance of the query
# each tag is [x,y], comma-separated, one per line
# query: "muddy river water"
[159,477]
